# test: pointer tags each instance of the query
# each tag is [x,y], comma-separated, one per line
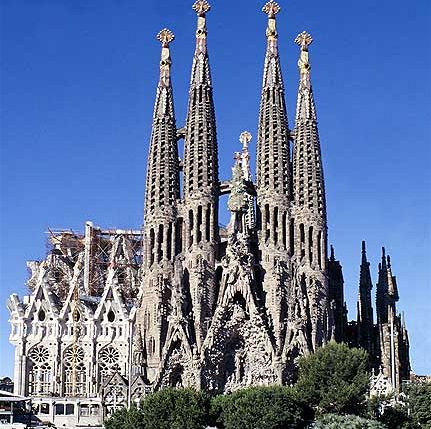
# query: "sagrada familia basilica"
[114,314]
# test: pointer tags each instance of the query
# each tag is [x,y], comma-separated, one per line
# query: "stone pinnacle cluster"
[114,314]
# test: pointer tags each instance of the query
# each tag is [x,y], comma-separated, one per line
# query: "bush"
[126,419]
[333,421]
[273,407]
[334,379]
[175,409]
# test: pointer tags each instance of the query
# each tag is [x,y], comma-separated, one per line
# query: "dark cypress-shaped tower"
[201,183]
[273,184]
[162,193]
[309,213]
[365,310]
[336,299]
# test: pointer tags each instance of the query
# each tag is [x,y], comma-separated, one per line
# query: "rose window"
[74,355]
[109,356]
[39,354]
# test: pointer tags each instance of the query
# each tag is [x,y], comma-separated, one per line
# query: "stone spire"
[387,290]
[393,338]
[200,158]
[309,190]
[310,230]
[163,185]
[382,290]
[273,182]
[160,224]
[365,309]
[273,155]
[201,183]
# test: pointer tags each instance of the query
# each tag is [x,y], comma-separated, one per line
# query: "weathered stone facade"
[114,314]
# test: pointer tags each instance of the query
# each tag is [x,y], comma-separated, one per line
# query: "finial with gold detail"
[165,37]
[271,8]
[201,7]
[304,40]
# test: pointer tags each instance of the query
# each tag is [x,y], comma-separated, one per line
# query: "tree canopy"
[274,407]
[419,403]
[333,421]
[124,418]
[175,409]
[335,379]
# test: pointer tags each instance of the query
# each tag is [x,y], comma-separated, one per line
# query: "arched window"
[40,371]
[74,371]
[108,362]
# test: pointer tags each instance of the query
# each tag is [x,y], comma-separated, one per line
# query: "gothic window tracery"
[108,361]
[74,371]
[40,371]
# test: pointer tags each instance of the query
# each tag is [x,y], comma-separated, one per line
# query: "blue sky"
[77,90]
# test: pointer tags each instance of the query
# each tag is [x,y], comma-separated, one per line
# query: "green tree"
[333,421]
[334,379]
[175,409]
[396,417]
[419,404]
[126,419]
[274,407]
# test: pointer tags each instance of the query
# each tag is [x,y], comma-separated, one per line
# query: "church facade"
[114,314]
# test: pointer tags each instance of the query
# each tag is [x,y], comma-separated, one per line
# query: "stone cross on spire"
[165,37]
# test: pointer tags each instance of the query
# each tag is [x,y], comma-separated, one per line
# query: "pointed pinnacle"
[332,253]
[304,40]
[165,37]
[201,7]
[271,8]
[383,263]
[364,253]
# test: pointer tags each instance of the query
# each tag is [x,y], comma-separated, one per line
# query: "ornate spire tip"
[271,8]
[245,138]
[165,37]
[201,7]
[304,40]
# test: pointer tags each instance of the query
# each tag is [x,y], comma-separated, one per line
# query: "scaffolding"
[96,252]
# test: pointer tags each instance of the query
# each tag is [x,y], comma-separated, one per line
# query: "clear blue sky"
[77,89]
